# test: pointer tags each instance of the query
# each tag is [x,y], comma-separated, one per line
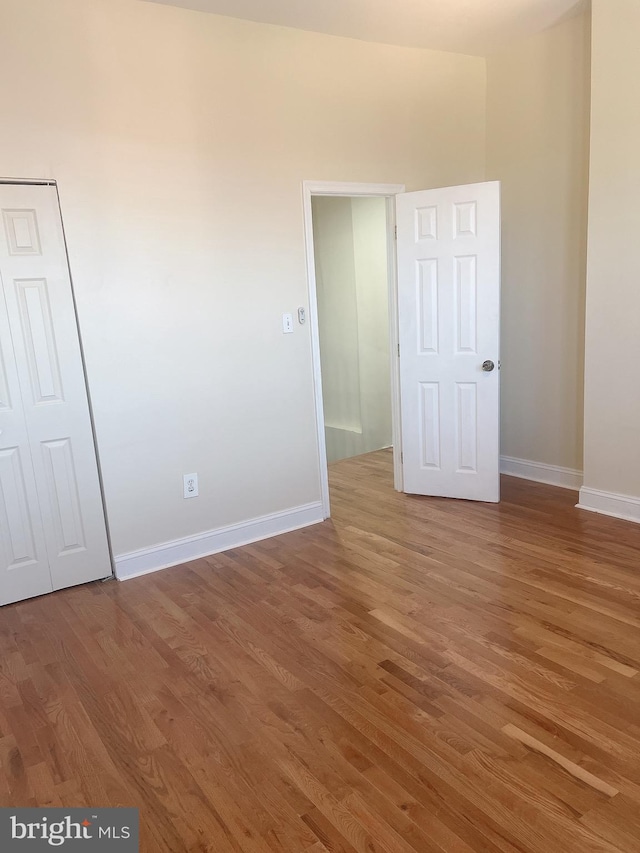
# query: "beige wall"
[538,146]
[350,247]
[338,324]
[180,141]
[612,391]
[372,289]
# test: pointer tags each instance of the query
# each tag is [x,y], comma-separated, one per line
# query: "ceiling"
[477,27]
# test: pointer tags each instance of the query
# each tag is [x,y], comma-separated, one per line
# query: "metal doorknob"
[488,366]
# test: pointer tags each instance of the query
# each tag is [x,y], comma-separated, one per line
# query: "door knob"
[488,366]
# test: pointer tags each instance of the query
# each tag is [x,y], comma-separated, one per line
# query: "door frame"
[350,190]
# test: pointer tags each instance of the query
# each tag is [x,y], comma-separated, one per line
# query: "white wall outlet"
[287,324]
[190,483]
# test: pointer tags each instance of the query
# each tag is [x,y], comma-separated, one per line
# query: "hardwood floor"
[414,675]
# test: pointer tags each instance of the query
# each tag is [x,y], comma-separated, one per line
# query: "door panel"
[448,309]
[63,495]
[48,362]
[39,339]
[20,546]
[24,566]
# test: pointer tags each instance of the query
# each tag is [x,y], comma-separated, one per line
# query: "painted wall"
[538,146]
[612,395]
[180,141]
[372,289]
[350,246]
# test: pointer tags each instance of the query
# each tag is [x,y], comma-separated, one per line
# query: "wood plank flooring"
[413,675]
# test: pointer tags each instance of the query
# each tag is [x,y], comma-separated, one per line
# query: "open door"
[449,330]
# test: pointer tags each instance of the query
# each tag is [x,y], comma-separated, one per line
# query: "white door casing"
[47,425]
[448,252]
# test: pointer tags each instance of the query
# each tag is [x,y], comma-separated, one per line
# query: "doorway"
[443,281]
[351,262]
[349,236]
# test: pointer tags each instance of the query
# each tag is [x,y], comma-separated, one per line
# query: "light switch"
[287,324]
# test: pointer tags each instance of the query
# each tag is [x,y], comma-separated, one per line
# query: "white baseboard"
[609,503]
[178,551]
[552,475]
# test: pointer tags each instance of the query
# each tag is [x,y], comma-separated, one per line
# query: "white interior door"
[52,526]
[449,330]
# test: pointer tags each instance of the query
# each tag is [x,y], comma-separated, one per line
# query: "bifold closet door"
[52,525]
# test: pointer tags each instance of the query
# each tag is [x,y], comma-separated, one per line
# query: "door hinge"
[398,350]
[401,456]
[395,231]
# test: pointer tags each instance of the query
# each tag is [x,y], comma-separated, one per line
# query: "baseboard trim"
[609,503]
[158,557]
[552,475]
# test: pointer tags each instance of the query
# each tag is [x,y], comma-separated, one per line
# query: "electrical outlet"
[190,484]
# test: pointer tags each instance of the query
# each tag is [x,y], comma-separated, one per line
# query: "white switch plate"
[287,324]
[190,483]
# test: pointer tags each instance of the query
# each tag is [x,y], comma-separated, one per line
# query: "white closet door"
[47,357]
